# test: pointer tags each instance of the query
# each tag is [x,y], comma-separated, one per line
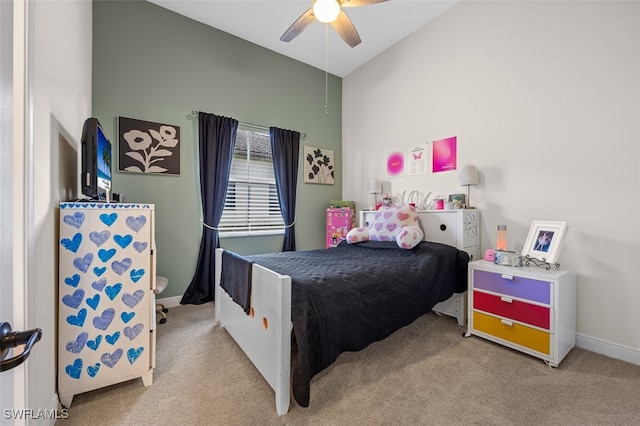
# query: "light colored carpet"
[424,374]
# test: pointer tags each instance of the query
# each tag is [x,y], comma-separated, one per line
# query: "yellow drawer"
[519,334]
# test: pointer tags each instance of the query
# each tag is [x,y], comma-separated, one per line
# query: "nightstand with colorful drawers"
[530,309]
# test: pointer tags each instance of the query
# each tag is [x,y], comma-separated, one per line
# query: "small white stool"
[161,284]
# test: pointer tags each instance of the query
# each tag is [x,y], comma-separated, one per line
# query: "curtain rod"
[194,114]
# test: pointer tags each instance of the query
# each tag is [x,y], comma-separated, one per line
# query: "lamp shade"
[468,175]
[375,187]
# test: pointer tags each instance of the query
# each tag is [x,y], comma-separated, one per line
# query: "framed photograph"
[458,200]
[545,240]
[318,165]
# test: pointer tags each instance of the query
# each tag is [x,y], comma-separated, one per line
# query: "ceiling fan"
[329,11]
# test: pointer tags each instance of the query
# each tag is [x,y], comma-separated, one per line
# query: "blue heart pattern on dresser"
[95,343]
[123,240]
[74,370]
[76,220]
[133,332]
[102,322]
[99,285]
[72,244]
[127,316]
[108,218]
[99,238]
[140,246]
[92,370]
[106,255]
[83,263]
[78,319]
[136,274]
[111,359]
[94,301]
[73,280]
[113,290]
[132,300]
[73,300]
[136,223]
[113,338]
[120,267]
[76,346]
[133,354]
[102,253]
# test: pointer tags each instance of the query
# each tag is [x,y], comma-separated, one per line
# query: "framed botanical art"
[545,240]
[148,147]
[318,165]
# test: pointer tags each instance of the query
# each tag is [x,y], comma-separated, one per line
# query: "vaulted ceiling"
[262,22]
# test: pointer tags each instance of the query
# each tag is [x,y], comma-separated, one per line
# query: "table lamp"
[375,188]
[467,176]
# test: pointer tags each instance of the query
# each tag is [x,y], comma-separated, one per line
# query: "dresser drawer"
[539,316]
[440,227]
[512,285]
[518,334]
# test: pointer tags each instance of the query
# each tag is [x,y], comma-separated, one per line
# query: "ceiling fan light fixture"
[326,11]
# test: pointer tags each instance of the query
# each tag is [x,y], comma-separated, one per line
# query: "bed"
[307,307]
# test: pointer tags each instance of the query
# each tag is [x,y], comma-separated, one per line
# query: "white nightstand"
[529,309]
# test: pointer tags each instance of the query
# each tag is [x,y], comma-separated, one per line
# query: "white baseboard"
[170,302]
[609,349]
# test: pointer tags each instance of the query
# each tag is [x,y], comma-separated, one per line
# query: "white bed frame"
[265,334]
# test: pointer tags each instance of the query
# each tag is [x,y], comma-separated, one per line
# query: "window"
[251,206]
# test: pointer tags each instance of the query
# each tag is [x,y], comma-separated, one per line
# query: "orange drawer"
[518,334]
[504,306]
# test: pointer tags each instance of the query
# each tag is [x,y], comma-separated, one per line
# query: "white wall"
[544,98]
[61,95]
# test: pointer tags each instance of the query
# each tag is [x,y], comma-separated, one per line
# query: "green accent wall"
[155,65]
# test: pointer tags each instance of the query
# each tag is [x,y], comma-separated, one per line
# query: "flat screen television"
[96,161]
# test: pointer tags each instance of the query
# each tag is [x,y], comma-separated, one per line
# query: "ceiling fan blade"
[298,26]
[345,28]
[356,3]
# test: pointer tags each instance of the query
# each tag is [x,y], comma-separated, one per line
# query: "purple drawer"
[512,285]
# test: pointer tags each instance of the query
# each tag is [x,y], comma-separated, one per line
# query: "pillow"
[409,237]
[357,235]
[388,222]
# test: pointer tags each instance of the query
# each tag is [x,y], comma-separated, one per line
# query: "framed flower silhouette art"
[148,147]
[318,165]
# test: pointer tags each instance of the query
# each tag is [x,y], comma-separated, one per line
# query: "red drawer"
[539,316]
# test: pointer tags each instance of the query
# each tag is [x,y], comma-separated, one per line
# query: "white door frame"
[16,185]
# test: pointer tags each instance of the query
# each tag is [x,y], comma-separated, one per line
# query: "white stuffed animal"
[392,223]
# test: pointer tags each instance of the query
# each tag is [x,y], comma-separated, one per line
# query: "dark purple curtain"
[217,137]
[285,147]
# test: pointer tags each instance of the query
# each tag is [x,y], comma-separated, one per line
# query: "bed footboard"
[265,334]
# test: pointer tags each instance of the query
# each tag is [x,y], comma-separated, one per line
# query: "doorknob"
[10,339]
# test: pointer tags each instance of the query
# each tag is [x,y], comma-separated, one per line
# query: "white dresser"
[459,228]
[106,325]
[529,309]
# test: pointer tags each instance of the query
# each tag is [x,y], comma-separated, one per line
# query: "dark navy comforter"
[345,298]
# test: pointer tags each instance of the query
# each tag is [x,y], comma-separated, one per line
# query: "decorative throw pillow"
[388,222]
[357,235]
[409,237]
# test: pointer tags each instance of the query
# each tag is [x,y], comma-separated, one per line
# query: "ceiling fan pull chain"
[326,69]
